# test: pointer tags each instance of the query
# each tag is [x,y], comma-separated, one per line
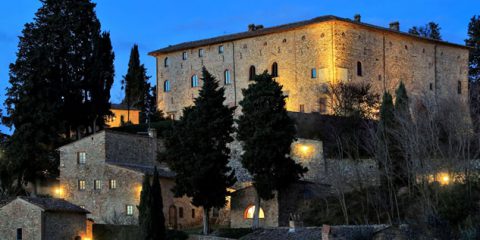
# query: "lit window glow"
[251,210]
[444,178]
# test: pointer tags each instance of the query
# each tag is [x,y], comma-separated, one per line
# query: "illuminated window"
[251,75]
[81,158]
[274,69]
[166,62]
[81,184]
[359,69]
[166,86]
[248,214]
[220,49]
[129,210]
[113,184]
[228,80]
[201,52]
[314,73]
[184,55]
[97,184]
[195,80]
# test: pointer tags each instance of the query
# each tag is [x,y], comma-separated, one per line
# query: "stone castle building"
[103,173]
[305,57]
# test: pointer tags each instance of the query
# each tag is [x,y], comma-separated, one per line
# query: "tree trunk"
[256,213]
[206,221]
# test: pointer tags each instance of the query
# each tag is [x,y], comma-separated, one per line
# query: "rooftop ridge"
[286,27]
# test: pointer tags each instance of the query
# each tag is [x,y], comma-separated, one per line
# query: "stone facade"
[41,223]
[124,159]
[335,47]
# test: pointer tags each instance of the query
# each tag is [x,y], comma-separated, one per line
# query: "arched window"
[166,62]
[248,214]
[195,80]
[228,80]
[166,86]
[359,69]
[251,75]
[274,69]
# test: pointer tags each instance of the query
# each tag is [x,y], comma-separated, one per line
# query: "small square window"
[220,49]
[180,212]
[97,184]
[113,184]
[129,210]
[81,158]
[193,213]
[201,52]
[81,184]
[302,108]
[322,105]
[184,55]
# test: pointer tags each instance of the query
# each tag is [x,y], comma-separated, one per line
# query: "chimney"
[152,132]
[357,18]
[395,26]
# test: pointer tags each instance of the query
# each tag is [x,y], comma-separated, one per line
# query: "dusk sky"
[154,24]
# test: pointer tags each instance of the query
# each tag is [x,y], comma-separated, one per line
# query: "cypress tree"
[197,149]
[135,83]
[51,88]
[156,208]
[267,132]
[403,119]
[385,129]
[145,213]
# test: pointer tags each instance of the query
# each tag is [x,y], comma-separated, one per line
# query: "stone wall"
[428,68]
[132,148]
[64,225]
[20,214]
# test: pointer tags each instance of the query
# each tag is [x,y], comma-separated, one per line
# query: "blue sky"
[153,24]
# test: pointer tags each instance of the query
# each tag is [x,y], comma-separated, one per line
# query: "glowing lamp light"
[58,192]
[304,151]
[444,178]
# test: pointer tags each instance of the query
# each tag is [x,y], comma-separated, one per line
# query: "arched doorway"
[172,217]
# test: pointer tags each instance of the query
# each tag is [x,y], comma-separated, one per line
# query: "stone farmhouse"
[43,219]
[103,173]
[305,57]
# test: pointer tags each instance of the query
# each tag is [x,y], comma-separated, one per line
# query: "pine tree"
[430,30]
[267,133]
[135,83]
[473,41]
[51,88]
[157,217]
[197,149]
[145,213]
